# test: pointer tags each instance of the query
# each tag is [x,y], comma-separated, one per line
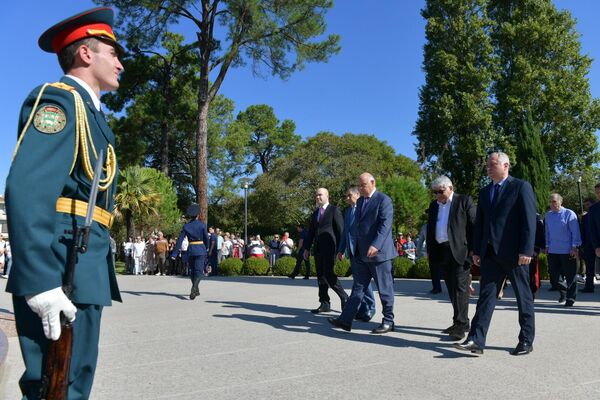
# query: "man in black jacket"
[451,217]
[325,230]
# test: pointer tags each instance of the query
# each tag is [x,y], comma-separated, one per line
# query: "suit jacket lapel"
[504,188]
[453,208]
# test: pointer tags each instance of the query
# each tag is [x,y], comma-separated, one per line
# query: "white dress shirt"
[441,225]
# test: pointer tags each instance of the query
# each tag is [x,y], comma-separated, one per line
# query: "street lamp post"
[579,193]
[245,186]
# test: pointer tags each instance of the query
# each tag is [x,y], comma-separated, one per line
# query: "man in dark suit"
[594,223]
[503,242]
[587,249]
[375,250]
[346,248]
[325,230]
[449,231]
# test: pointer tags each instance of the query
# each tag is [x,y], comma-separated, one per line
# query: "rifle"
[55,381]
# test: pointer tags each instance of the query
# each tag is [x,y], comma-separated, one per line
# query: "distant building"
[3,225]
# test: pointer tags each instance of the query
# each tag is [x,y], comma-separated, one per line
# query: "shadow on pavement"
[140,293]
[301,320]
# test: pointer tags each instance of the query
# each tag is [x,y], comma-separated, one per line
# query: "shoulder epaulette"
[62,85]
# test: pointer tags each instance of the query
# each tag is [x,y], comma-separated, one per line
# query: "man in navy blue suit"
[346,247]
[374,253]
[503,242]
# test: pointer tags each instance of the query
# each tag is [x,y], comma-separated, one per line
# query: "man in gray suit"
[374,253]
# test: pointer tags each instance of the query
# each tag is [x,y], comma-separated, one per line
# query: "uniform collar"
[89,91]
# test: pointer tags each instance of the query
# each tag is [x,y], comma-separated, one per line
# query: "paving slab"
[254,338]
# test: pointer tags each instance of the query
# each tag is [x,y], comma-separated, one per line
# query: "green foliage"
[284,266]
[565,183]
[490,62]
[543,266]
[420,269]
[342,268]
[231,267]
[454,127]
[168,218]
[410,199]
[401,267]
[532,164]
[256,266]
[266,139]
[120,268]
[284,196]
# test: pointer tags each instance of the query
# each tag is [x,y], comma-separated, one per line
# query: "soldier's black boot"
[195,291]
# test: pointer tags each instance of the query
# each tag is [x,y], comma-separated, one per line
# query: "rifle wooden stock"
[58,361]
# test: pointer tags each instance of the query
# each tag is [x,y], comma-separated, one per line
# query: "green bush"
[543,266]
[342,268]
[120,267]
[401,267]
[256,266]
[420,270]
[231,267]
[284,266]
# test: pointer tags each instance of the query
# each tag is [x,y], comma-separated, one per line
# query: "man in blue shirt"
[562,241]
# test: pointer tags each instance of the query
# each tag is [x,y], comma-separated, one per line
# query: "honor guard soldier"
[197,235]
[62,131]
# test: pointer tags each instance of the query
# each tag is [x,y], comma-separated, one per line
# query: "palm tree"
[136,195]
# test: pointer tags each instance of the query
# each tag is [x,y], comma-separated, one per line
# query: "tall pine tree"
[454,127]
[531,163]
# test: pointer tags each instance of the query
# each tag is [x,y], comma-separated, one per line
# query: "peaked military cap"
[96,22]
[193,210]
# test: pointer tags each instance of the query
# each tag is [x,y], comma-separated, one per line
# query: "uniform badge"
[49,119]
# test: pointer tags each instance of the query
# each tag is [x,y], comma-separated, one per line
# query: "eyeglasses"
[439,191]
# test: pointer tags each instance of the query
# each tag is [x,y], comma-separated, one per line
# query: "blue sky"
[371,87]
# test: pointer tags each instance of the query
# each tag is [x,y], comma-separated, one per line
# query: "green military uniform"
[47,189]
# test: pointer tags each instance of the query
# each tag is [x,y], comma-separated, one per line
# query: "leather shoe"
[338,323]
[435,291]
[324,307]
[522,349]
[383,328]
[457,334]
[365,317]
[455,327]
[469,345]
[449,329]
[569,303]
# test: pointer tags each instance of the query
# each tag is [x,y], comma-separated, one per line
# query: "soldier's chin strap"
[83,135]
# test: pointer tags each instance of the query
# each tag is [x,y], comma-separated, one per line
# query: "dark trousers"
[563,268]
[456,277]
[437,273]
[368,304]
[493,271]
[363,272]
[161,262]
[590,268]
[197,264]
[86,332]
[327,278]
[299,259]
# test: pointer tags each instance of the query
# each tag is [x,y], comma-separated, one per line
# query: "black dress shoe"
[383,328]
[522,349]
[569,303]
[469,345]
[457,334]
[324,307]
[338,323]
[449,329]
[365,317]
[435,291]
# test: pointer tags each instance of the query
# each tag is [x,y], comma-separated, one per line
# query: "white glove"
[48,305]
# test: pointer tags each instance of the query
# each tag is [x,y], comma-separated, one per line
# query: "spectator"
[587,249]
[227,248]
[273,250]
[219,244]
[138,250]
[286,245]
[160,254]
[300,256]
[422,242]
[150,266]
[409,249]
[113,249]
[562,242]
[213,252]
[128,252]
[256,248]
[399,243]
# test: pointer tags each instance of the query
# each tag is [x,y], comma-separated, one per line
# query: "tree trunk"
[202,158]
[164,148]
[130,224]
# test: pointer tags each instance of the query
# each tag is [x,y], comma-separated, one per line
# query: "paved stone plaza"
[254,338]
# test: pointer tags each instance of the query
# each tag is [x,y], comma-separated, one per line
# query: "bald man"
[325,230]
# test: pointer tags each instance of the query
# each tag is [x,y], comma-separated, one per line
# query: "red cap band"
[67,37]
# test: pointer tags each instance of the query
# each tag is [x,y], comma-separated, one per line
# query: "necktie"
[495,192]
[321,212]
[364,205]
